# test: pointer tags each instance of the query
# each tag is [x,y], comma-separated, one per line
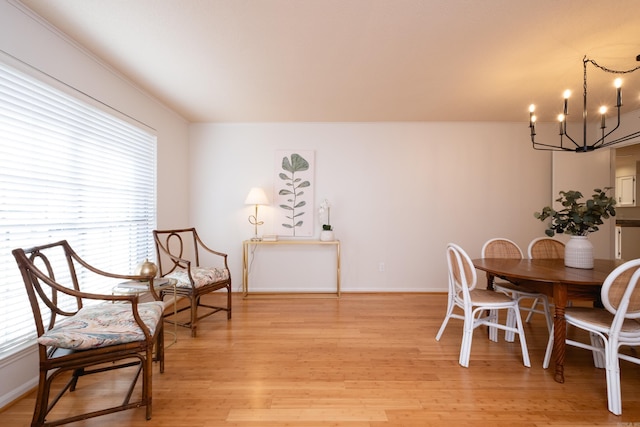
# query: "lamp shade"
[256,196]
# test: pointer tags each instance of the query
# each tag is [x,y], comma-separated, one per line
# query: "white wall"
[42,51]
[585,172]
[400,192]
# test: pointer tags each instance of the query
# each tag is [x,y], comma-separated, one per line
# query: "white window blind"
[68,171]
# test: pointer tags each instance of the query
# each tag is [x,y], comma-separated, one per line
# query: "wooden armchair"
[81,333]
[179,256]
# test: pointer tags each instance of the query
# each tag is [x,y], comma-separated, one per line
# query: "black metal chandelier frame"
[571,144]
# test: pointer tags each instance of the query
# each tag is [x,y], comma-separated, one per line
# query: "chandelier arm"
[539,145]
[570,139]
[552,148]
[629,137]
[536,144]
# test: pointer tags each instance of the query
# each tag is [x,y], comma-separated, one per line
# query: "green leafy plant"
[578,218]
[294,190]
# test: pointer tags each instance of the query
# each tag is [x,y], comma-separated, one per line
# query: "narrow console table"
[245,262]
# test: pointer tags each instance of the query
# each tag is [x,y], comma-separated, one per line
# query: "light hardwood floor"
[364,360]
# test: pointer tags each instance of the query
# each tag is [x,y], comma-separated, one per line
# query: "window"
[68,171]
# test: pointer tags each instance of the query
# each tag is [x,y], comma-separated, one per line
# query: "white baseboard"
[15,394]
[19,373]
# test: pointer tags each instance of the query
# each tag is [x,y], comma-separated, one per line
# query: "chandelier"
[567,143]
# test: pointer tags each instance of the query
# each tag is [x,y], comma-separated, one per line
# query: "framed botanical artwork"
[294,185]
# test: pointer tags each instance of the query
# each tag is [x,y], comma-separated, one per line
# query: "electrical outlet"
[381,267]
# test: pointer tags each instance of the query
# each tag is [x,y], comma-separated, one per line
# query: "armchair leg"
[195,302]
[77,373]
[160,346]
[147,372]
[40,411]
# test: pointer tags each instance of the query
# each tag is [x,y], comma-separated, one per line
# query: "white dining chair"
[545,248]
[479,306]
[611,327]
[548,248]
[504,248]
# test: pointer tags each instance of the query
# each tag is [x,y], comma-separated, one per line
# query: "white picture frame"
[294,193]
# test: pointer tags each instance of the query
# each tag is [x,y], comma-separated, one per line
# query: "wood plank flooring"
[363,360]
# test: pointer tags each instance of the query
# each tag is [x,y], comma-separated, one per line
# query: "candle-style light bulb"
[532,125]
[561,120]
[532,108]
[603,111]
[618,84]
[566,95]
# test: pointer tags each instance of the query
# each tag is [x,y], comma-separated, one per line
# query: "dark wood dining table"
[554,279]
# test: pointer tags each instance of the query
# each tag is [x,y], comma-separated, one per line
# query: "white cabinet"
[627,169]
[626,191]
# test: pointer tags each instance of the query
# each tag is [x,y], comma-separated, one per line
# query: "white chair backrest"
[546,248]
[619,289]
[462,273]
[621,295]
[501,248]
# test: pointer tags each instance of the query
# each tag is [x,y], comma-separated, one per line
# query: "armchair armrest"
[212,251]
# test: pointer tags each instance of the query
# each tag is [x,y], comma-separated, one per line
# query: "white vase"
[327,236]
[578,252]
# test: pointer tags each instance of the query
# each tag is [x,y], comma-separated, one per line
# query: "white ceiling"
[360,60]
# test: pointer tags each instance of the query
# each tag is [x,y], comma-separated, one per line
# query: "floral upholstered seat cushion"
[201,276]
[103,325]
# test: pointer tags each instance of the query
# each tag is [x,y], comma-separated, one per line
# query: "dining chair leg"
[599,359]
[450,308]
[614,398]
[493,332]
[509,336]
[547,314]
[467,337]
[548,351]
[546,310]
[523,341]
[442,328]
[536,301]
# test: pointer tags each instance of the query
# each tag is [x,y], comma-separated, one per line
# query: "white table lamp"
[256,197]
